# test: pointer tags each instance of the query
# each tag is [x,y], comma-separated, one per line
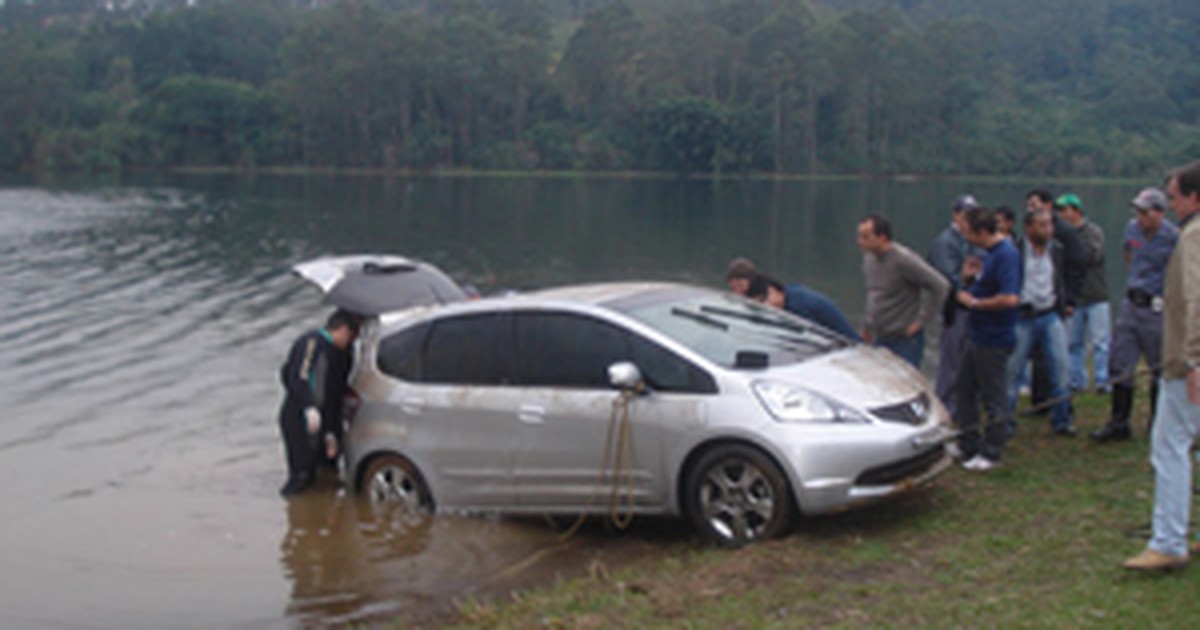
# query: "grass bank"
[1037,543]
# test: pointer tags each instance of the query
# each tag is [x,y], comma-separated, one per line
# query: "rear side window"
[400,354]
[566,350]
[473,349]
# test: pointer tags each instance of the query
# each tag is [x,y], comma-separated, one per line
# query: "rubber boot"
[1118,425]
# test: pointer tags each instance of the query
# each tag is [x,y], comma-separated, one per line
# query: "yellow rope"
[616,463]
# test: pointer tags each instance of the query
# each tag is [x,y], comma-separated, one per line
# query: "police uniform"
[1139,327]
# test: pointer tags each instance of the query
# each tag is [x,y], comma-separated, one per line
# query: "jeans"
[911,349]
[1176,426]
[1089,325]
[1048,333]
[982,383]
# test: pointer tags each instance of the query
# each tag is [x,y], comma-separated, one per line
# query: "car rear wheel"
[391,482]
[737,495]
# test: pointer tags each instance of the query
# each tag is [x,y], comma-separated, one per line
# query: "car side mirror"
[625,376]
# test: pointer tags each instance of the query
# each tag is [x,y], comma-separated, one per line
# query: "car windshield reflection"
[720,326]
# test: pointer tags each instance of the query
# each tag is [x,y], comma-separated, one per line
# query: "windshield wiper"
[770,321]
[699,318]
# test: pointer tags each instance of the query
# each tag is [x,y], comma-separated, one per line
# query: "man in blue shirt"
[803,301]
[1149,240]
[991,303]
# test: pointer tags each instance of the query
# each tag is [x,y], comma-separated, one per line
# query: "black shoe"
[1067,431]
[1111,433]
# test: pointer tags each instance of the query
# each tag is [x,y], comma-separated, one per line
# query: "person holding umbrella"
[316,362]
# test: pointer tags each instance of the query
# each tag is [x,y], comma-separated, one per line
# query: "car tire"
[391,482]
[736,495]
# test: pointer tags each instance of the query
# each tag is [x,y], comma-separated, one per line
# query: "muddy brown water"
[142,334]
[144,323]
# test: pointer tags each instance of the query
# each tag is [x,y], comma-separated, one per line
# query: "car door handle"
[532,414]
[412,406]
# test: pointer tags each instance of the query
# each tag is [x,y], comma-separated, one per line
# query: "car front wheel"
[737,495]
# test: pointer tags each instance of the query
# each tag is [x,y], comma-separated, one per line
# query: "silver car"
[639,398]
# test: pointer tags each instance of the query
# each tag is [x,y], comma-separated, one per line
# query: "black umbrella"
[374,285]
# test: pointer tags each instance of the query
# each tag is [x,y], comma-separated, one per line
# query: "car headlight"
[791,403]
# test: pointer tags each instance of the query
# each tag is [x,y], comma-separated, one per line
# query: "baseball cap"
[1069,199]
[1150,198]
[964,202]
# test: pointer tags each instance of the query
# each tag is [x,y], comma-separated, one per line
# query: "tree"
[599,68]
[201,120]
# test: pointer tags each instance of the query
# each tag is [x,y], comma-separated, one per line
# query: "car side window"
[400,353]
[665,371]
[566,350]
[471,349]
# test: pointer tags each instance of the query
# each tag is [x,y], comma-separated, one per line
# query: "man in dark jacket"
[1074,268]
[948,253]
[1091,323]
[1040,325]
[314,379]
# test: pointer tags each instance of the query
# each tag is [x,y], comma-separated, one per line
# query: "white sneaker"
[979,463]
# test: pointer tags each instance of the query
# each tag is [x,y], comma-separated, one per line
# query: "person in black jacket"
[1042,306]
[1074,268]
[314,379]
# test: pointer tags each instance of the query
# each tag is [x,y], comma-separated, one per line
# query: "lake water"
[145,320]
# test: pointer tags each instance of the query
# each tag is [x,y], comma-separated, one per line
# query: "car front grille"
[901,470]
[912,412]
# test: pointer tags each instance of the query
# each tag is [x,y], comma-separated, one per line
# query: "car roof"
[601,295]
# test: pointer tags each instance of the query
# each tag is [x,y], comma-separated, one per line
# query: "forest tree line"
[1004,87]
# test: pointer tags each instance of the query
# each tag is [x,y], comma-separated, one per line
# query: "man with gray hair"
[1177,422]
[1149,241]
[948,253]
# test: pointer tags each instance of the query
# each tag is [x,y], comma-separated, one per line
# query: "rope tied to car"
[1130,379]
[616,465]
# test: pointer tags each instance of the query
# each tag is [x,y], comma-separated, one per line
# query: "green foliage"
[553,145]
[209,121]
[694,135]
[1071,87]
[235,40]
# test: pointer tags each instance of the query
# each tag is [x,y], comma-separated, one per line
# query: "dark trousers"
[1039,381]
[982,382]
[301,451]
[952,347]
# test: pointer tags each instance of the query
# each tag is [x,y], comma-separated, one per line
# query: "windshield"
[719,326]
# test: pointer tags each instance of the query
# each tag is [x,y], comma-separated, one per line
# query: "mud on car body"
[740,416]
